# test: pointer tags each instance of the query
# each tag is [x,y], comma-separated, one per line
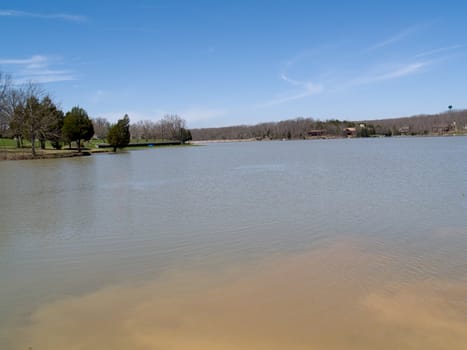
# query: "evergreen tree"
[119,134]
[53,123]
[185,135]
[77,126]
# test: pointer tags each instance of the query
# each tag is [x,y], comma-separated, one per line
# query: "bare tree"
[5,91]
[35,118]
[10,98]
[101,127]
[32,116]
[15,117]
[135,131]
[173,126]
[148,130]
[25,113]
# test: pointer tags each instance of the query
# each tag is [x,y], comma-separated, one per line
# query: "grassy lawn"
[11,143]
[8,143]
[8,149]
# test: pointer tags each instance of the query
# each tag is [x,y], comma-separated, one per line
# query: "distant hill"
[427,123]
[452,122]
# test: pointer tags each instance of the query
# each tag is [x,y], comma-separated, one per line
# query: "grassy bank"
[24,153]
[10,151]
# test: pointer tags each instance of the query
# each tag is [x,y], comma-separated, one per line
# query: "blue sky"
[221,63]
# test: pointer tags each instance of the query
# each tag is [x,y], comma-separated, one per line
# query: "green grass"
[94,142]
[9,150]
[8,143]
[11,143]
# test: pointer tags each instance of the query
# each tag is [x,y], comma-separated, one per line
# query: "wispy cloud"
[397,37]
[401,71]
[438,51]
[390,40]
[36,61]
[336,69]
[59,16]
[50,77]
[398,71]
[307,88]
[37,68]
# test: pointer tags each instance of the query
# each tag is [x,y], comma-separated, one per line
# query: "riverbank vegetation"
[32,125]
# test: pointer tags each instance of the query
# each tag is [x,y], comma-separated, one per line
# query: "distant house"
[350,132]
[404,130]
[441,129]
[317,133]
[444,128]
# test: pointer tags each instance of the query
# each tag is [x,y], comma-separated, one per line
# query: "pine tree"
[77,126]
[119,134]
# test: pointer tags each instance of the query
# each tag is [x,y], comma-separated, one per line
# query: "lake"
[322,244]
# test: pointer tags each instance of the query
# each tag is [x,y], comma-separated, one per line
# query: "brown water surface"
[336,297]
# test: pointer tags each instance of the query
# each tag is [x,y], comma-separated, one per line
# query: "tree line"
[169,127]
[298,128]
[449,122]
[28,113]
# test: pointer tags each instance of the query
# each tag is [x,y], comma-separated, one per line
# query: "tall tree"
[101,127]
[185,135]
[32,119]
[173,127]
[5,111]
[77,126]
[15,117]
[29,118]
[52,123]
[119,134]
[24,113]
[39,120]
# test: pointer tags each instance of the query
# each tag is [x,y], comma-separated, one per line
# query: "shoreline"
[7,154]
[202,142]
